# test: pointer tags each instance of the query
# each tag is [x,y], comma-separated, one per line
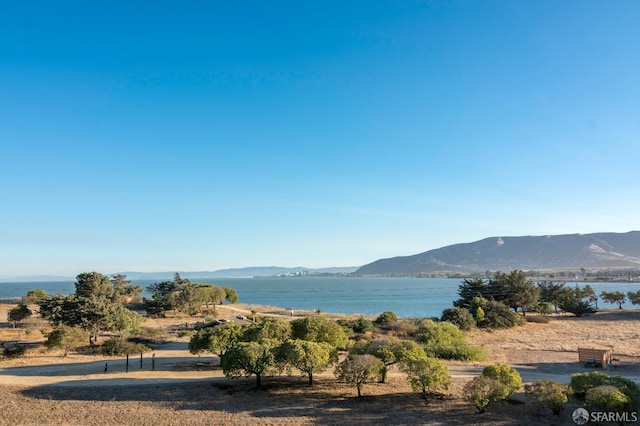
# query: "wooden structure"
[601,356]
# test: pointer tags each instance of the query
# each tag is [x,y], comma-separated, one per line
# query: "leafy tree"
[216,340]
[163,297]
[572,301]
[591,295]
[506,375]
[208,293]
[188,299]
[634,297]
[460,317]
[494,314]
[309,357]
[92,314]
[249,358]
[391,351]
[230,295]
[357,370]
[93,284]
[123,291]
[470,289]
[614,297]
[271,329]
[34,296]
[483,390]
[426,375]
[549,393]
[319,329]
[19,313]
[445,340]
[514,290]
[551,292]
[386,318]
[66,338]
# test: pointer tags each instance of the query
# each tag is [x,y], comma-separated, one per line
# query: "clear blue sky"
[199,135]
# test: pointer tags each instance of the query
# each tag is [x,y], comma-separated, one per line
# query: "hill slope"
[575,251]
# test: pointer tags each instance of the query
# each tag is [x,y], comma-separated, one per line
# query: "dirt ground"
[45,388]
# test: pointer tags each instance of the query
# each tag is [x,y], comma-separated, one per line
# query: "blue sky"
[200,135]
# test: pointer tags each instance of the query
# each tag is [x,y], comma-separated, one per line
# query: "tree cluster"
[182,295]
[494,303]
[269,347]
[98,304]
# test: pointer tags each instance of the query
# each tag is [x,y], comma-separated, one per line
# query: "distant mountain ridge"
[570,251]
[248,272]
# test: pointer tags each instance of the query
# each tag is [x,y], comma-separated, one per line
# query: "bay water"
[407,297]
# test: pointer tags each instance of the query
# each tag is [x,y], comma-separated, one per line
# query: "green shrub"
[582,382]
[483,390]
[362,325]
[498,315]
[118,347]
[608,398]
[460,317]
[549,393]
[444,340]
[183,333]
[386,318]
[504,374]
[13,351]
[628,387]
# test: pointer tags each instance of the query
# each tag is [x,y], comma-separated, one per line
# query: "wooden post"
[153,362]
[140,359]
[127,366]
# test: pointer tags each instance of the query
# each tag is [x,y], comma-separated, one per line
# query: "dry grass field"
[45,388]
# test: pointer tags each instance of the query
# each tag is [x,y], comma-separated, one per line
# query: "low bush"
[608,398]
[14,350]
[361,325]
[444,340]
[506,375]
[460,317]
[118,347]
[483,390]
[549,393]
[386,318]
[582,382]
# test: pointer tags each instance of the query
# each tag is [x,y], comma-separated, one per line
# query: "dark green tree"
[19,313]
[319,329]
[614,297]
[93,284]
[250,358]
[426,375]
[308,357]
[357,370]
[217,339]
[551,292]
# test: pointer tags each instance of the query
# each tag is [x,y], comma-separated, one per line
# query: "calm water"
[407,297]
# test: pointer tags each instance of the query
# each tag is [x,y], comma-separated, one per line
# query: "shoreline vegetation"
[48,386]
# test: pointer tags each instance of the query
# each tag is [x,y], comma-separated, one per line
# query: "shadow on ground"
[327,402]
